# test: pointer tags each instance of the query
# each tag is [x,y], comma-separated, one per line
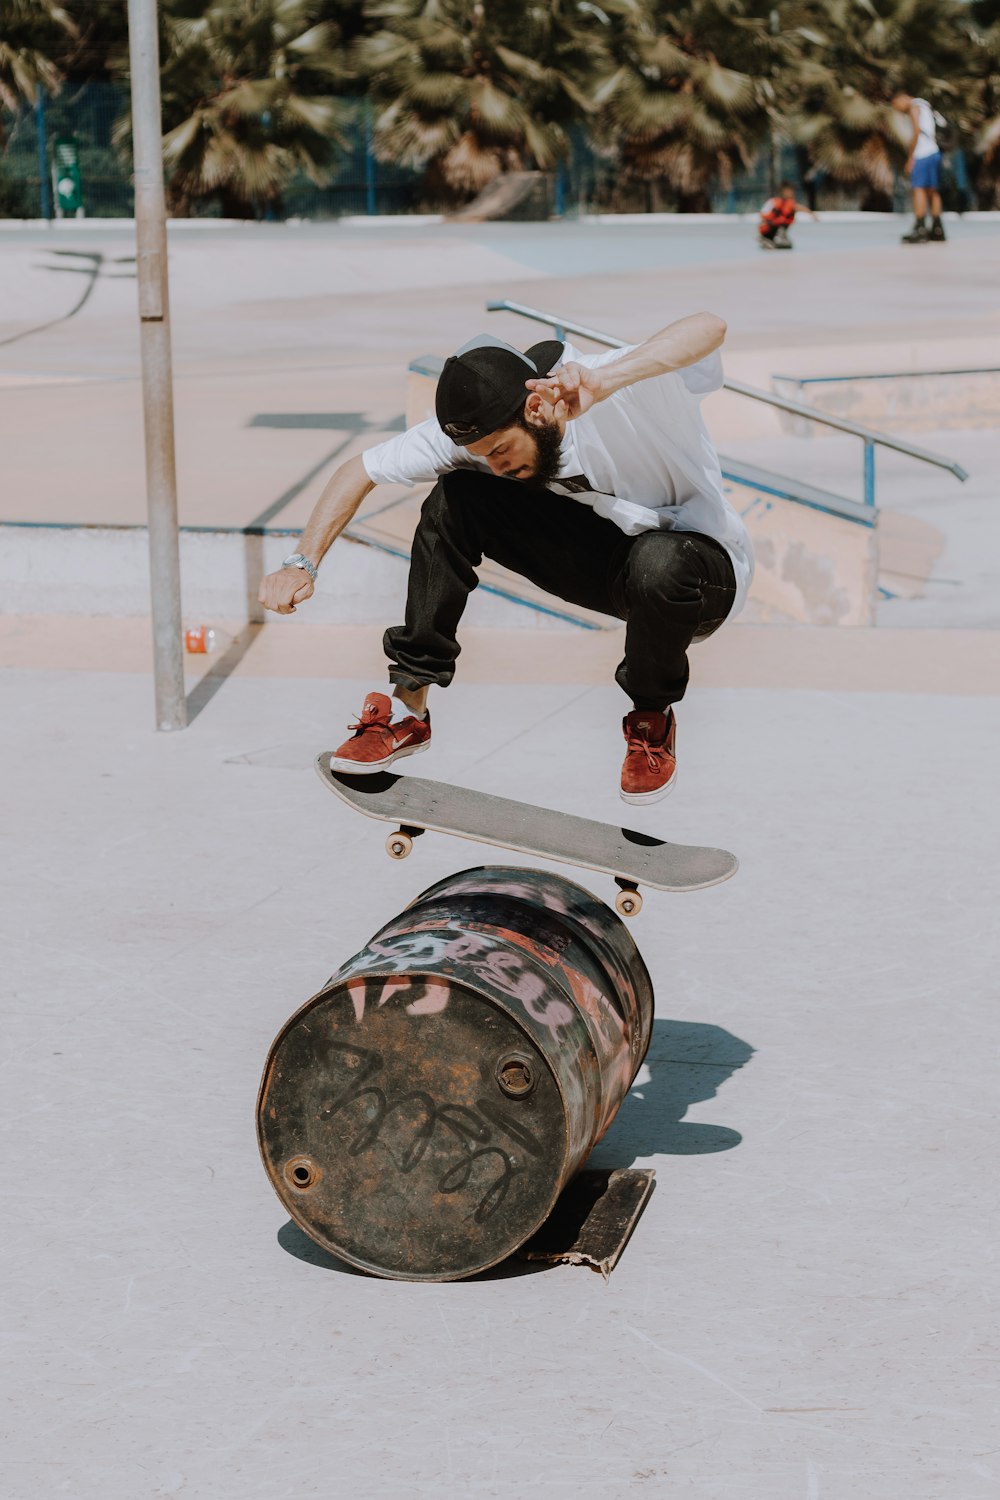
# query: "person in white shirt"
[591,475]
[923,167]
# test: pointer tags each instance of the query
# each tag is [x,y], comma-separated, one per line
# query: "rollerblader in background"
[923,167]
[778,215]
[591,475]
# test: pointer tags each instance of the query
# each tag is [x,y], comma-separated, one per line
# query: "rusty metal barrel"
[420,1115]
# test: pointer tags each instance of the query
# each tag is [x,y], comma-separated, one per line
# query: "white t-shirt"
[645,451]
[927,144]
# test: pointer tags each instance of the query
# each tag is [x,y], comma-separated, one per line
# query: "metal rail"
[868,435]
[887,375]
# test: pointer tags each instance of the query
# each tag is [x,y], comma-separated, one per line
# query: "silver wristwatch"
[296,560]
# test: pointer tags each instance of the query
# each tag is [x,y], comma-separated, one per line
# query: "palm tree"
[249,98]
[858,52]
[34,34]
[468,91]
[99,47]
[986,62]
[695,93]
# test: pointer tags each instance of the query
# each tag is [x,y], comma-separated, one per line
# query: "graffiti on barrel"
[425,1114]
[486,958]
[420,1115]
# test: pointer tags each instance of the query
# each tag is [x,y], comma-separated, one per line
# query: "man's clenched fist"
[281,591]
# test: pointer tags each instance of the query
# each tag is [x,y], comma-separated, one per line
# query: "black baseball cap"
[481,388]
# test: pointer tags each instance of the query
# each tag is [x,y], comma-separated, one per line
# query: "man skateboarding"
[591,475]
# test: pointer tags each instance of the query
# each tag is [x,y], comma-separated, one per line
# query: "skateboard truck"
[400,843]
[628,902]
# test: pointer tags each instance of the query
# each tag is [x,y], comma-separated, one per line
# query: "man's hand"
[283,590]
[570,390]
[908,169]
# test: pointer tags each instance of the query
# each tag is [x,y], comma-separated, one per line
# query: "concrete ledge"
[783,658]
[104,570]
[914,401]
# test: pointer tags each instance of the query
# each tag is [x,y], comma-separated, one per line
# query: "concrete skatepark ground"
[805,1308]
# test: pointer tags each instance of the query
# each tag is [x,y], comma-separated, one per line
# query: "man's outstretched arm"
[284,589]
[575,388]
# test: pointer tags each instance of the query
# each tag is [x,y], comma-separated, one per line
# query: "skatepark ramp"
[822,558]
[104,570]
[905,400]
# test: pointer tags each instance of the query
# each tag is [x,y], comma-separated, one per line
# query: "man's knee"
[663,570]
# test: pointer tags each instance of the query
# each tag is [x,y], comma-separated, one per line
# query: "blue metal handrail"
[868,435]
[887,375]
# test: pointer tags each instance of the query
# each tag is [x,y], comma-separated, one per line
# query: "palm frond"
[724,86]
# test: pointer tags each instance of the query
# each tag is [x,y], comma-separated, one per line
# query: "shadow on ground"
[295,1242]
[201,695]
[688,1062]
[351,423]
[93,267]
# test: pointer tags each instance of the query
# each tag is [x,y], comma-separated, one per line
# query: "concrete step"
[778,658]
[899,402]
[104,570]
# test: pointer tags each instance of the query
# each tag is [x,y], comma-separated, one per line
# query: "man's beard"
[548,453]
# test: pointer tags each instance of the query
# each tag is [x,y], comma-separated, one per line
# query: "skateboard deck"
[632,859]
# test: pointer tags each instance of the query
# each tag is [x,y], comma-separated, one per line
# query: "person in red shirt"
[778,215]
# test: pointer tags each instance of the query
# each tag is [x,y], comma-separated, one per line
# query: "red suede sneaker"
[650,767]
[377,742]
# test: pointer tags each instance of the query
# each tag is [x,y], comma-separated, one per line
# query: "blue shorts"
[927,172]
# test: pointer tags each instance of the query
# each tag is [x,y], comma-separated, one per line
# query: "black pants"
[670,587]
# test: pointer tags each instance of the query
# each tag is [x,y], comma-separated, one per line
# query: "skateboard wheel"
[628,903]
[399,845]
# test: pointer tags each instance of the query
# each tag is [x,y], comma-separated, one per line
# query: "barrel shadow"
[295,1242]
[688,1062]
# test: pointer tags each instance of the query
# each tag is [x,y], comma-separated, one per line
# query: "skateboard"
[631,858]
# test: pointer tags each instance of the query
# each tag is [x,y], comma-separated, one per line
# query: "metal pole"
[44,185]
[869,472]
[157,378]
[369,160]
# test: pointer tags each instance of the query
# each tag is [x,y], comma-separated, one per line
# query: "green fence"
[84,113]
